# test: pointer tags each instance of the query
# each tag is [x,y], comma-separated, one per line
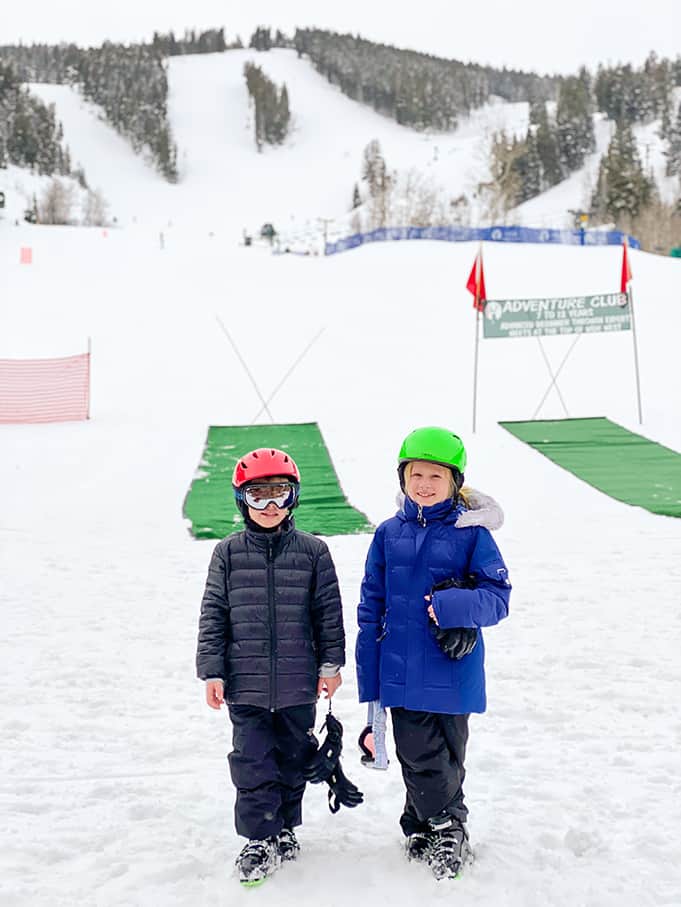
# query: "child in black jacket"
[271,641]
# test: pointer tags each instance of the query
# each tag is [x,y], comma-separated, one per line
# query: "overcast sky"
[535,35]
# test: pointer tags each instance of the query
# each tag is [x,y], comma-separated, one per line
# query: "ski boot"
[257,861]
[418,846]
[288,845]
[449,851]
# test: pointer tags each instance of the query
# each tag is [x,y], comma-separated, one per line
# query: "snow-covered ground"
[113,776]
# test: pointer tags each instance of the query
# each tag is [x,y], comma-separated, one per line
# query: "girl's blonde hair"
[453,491]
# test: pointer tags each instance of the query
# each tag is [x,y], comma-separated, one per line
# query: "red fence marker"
[45,390]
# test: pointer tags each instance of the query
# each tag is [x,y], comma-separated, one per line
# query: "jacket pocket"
[438,670]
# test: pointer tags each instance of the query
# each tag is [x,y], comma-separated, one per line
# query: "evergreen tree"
[31,214]
[673,152]
[546,140]
[633,95]
[418,90]
[532,169]
[374,172]
[261,39]
[574,121]
[664,92]
[23,146]
[374,169]
[356,197]
[283,116]
[623,189]
[165,153]
[537,111]
[272,114]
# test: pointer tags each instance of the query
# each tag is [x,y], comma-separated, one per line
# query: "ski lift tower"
[580,220]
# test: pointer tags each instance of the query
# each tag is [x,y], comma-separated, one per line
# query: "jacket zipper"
[420,517]
[273,631]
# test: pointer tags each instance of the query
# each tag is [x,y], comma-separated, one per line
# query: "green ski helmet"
[434,445]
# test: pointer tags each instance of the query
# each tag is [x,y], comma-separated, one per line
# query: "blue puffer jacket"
[398,659]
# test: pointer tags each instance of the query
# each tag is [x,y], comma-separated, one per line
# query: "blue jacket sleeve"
[370,617]
[487,603]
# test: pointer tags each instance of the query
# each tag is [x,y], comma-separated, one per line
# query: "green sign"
[564,315]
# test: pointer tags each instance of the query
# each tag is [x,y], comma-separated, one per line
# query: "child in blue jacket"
[434,577]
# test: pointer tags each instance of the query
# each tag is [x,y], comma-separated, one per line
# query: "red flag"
[476,284]
[626,270]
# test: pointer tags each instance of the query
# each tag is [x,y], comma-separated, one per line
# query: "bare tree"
[95,209]
[56,202]
[657,226]
[421,201]
[500,193]
[460,211]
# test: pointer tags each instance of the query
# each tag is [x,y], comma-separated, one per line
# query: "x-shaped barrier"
[265,408]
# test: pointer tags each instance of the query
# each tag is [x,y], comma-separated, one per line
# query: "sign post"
[555,317]
[476,286]
[630,298]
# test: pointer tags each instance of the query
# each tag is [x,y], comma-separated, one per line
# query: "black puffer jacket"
[271,615]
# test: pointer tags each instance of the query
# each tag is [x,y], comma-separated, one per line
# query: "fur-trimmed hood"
[482,510]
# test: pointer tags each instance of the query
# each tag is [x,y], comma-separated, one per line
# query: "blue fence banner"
[574,237]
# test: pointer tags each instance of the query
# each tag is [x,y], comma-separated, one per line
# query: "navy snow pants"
[266,762]
[431,749]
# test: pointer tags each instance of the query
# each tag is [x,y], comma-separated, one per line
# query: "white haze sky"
[537,35]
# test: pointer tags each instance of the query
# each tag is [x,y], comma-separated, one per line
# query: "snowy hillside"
[227,186]
[113,774]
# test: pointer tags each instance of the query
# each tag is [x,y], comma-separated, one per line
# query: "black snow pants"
[431,749]
[266,762]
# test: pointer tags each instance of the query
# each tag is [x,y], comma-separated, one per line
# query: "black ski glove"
[341,791]
[456,642]
[322,763]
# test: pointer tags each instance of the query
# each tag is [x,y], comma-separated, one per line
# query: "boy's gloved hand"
[342,792]
[456,642]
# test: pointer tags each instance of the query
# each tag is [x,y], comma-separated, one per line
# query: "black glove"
[322,763]
[456,642]
[341,791]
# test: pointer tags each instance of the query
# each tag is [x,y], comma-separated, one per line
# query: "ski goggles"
[259,495]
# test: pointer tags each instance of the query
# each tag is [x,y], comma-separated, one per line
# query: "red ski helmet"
[263,463]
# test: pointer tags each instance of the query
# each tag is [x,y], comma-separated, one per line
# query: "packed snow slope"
[227,185]
[114,781]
